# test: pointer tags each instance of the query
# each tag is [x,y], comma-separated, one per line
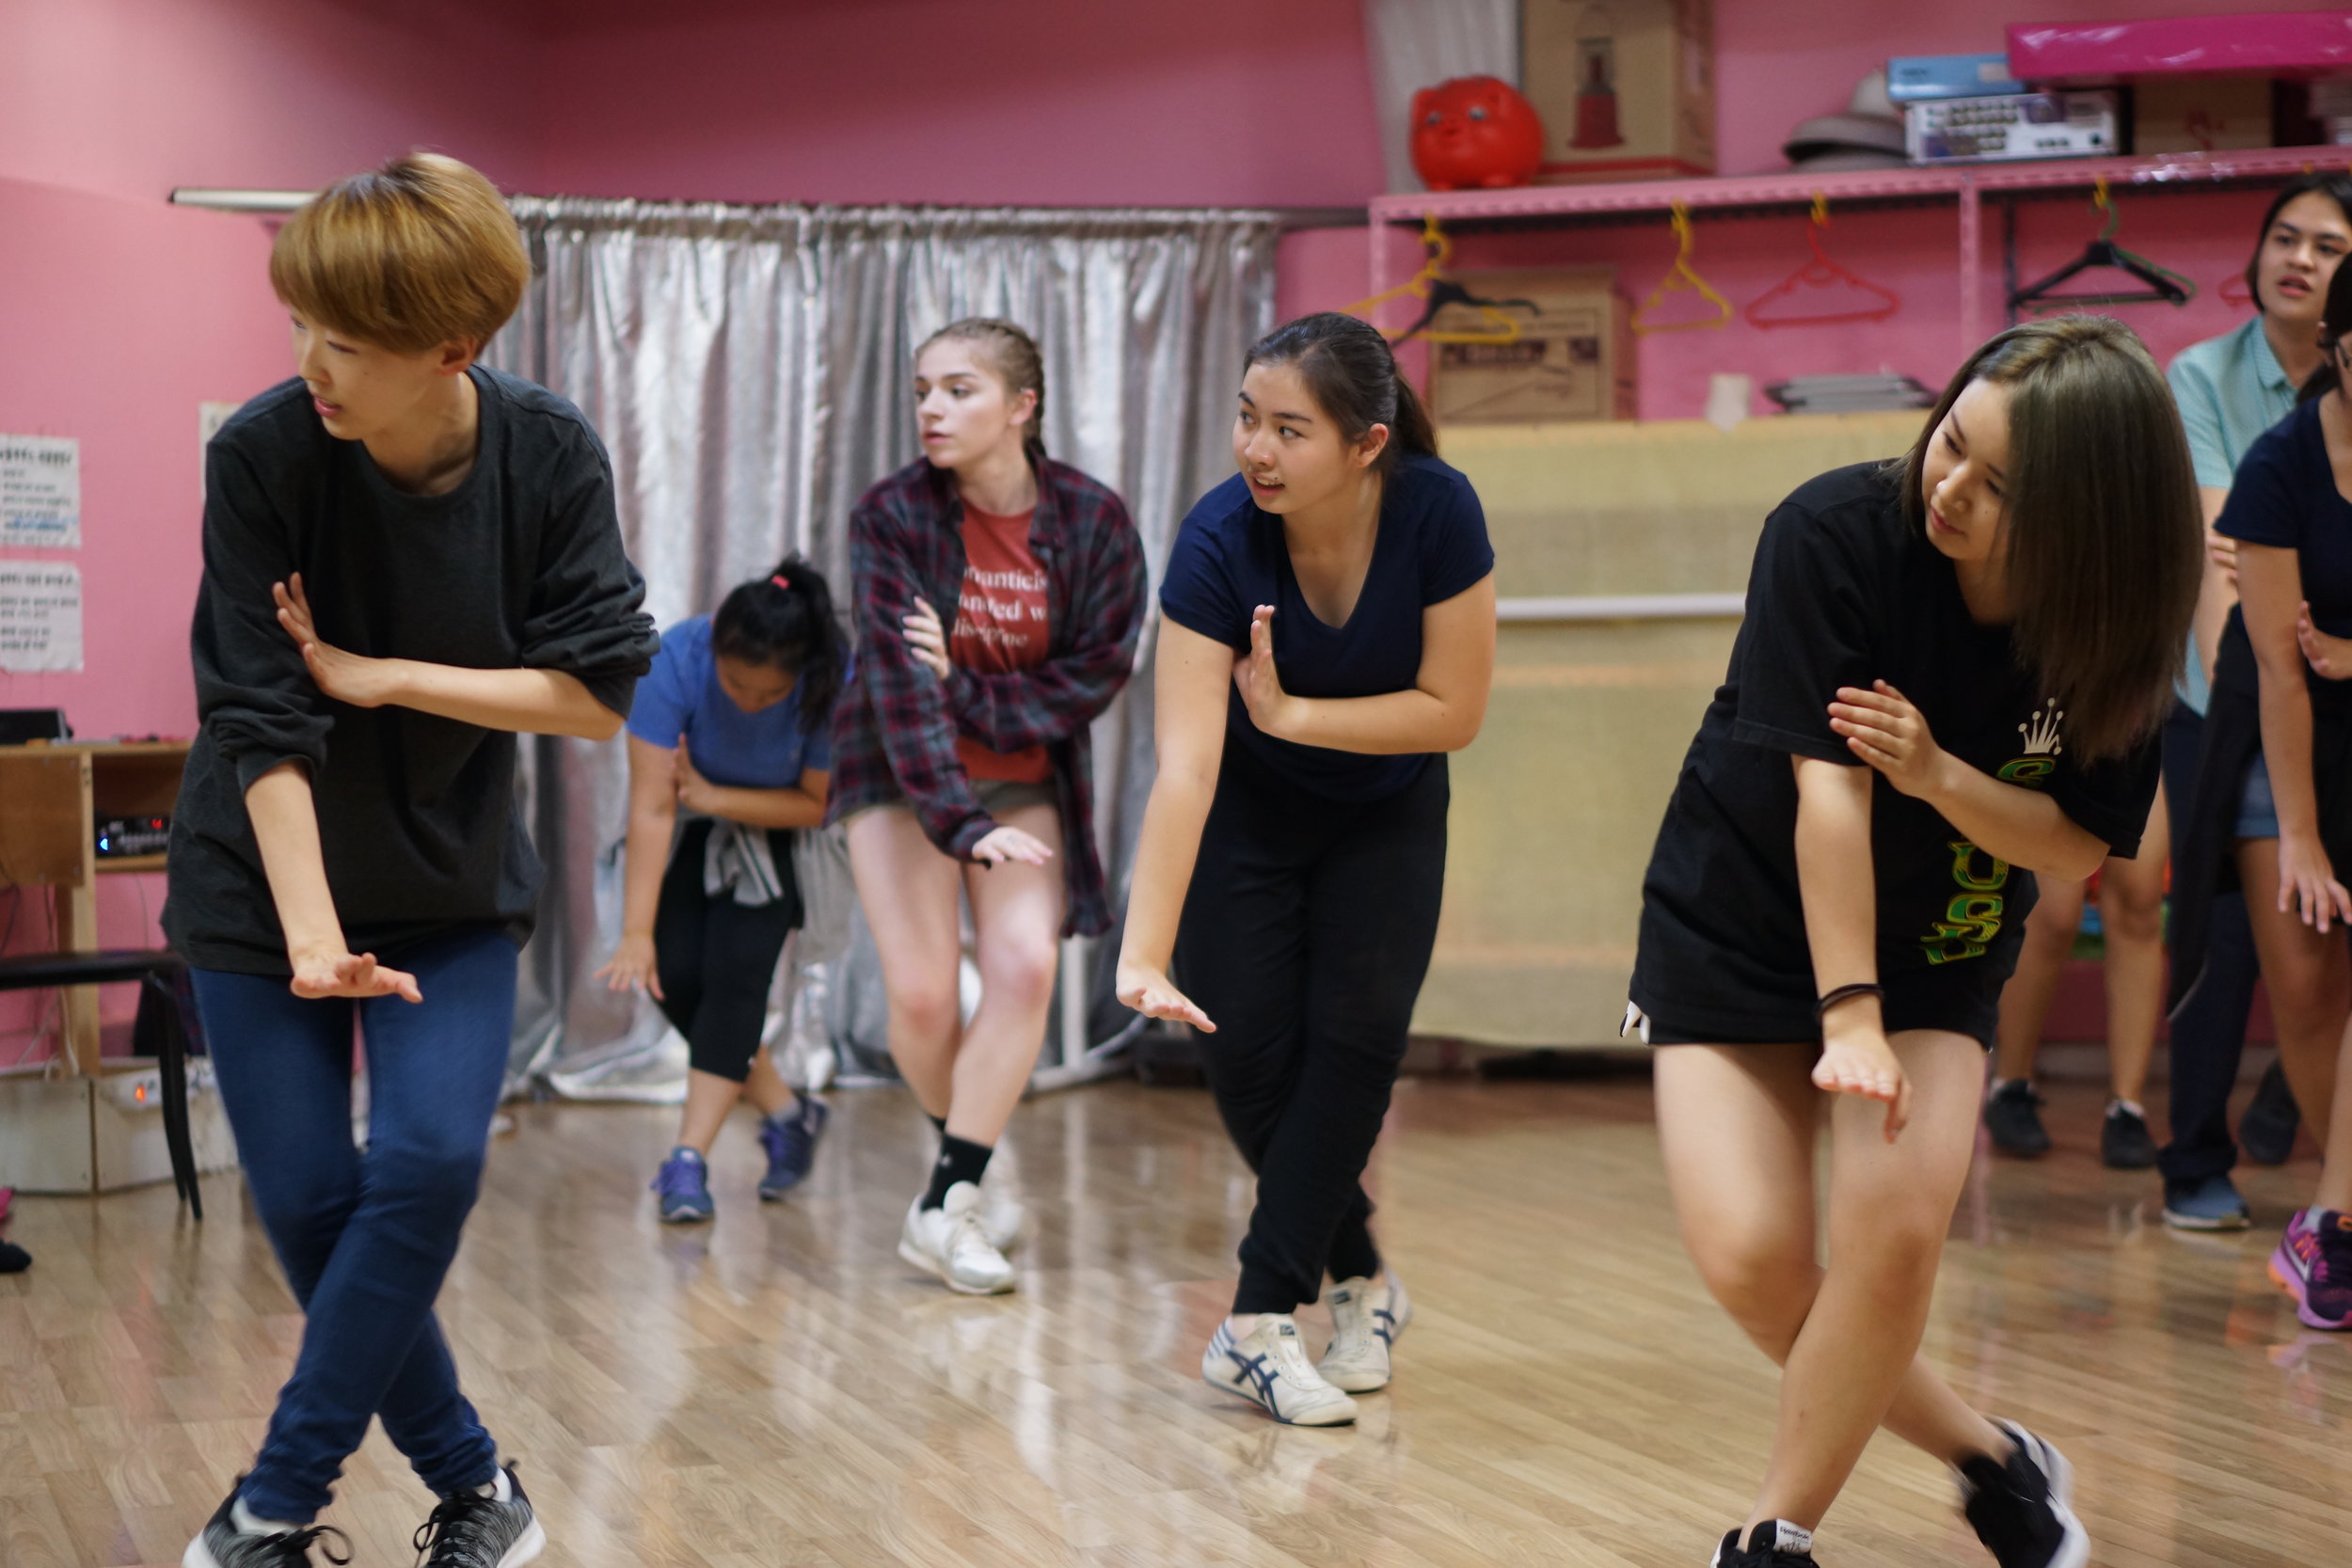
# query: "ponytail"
[2335,326]
[785,621]
[1351,373]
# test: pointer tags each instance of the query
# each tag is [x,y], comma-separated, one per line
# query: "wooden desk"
[52,797]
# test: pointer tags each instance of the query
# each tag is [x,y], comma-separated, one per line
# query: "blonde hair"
[1012,354]
[410,255]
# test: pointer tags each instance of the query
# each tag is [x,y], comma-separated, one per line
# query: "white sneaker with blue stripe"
[1269,1367]
[1366,1319]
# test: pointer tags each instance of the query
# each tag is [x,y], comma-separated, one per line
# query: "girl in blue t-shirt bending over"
[729,736]
[1327,633]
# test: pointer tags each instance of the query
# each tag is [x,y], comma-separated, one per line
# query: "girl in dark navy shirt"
[2273,802]
[1949,678]
[1327,633]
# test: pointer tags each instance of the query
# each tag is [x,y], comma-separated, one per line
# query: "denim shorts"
[2257,812]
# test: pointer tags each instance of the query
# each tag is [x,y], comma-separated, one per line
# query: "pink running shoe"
[2315,1263]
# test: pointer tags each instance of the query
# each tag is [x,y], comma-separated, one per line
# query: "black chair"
[164,1022]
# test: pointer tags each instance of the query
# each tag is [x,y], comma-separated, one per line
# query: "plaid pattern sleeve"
[900,739]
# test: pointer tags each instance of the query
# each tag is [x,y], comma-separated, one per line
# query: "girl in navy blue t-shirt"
[1327,633]
[730,753]
[2274,790]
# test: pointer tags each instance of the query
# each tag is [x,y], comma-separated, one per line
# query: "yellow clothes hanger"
[1431,285]
[1679,277]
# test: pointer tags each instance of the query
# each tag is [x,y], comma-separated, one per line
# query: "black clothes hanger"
[2163,287]
[1445,291]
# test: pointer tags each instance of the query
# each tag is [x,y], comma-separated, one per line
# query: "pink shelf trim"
[1797,189]
[2277,42]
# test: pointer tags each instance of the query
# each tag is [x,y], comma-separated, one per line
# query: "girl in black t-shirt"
[1327,633]
[1949,678]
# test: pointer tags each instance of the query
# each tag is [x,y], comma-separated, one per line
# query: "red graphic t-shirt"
[1000,627]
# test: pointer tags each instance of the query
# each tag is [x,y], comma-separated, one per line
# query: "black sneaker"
[2020,1509]
[14,1258]
[471,1531]
[2012,1115]
[1773,1544]
[2266,1131]
[2123,1140]
[221,1545]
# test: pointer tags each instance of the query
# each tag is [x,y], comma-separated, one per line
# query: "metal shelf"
[1966,185]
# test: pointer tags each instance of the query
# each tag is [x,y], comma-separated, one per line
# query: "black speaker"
[21,724]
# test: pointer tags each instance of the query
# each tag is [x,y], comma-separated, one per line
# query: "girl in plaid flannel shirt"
[999,595]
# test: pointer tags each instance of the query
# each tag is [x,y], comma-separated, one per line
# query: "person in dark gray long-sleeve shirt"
[408,560]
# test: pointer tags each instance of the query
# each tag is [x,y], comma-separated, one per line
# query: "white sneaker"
[1003,1220]
[1366,1319]
[1269,1367]
[950,1241]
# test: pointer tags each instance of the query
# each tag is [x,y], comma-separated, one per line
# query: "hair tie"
[780,580]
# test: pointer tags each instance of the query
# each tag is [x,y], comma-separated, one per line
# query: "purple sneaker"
[790,1139]
[2315,1263]
[684,1184]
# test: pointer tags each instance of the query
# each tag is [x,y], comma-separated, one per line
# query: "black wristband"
[1846,993]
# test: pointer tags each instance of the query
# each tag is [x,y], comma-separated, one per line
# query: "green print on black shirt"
[1973,918]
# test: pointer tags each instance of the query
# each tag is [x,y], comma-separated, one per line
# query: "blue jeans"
[366,1238]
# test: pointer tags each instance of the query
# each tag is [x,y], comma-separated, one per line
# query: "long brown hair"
[2103,537]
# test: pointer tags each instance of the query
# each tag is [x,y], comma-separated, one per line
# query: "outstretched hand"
[347,677]
[1002,844]
[1149,991]
[1860,1062]
[322,973]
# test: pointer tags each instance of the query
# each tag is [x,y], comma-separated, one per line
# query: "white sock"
[246,1524]
[499,1488]
[2132,1106]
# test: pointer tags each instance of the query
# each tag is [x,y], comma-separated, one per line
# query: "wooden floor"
[780,1389]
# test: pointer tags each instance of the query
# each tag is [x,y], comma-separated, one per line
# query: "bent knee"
[1022,971]
[1766,1283]
[927,1010]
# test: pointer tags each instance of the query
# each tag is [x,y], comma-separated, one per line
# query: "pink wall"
[1059,103]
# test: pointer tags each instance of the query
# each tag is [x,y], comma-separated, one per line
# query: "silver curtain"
[748,369]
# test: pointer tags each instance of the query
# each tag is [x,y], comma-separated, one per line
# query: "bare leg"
[909,891]
[2131,914]
[1737,1125]
[1016,918]
[2308,978]
[709,1097]
[2025,1000]
[766,1088]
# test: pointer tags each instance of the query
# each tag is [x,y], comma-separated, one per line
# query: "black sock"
[959,1160]
[939,1123]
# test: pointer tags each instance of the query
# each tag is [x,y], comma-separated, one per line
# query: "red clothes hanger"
[1823,273]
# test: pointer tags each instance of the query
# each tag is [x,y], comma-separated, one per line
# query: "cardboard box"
[1626,87]
[1573,359]
[2201,114]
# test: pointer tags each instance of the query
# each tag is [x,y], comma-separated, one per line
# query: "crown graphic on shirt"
[2041,731]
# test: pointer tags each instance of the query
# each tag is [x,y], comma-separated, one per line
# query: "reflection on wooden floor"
[780,1389]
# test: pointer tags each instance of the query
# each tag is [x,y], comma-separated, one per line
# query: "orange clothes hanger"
[1437,291]
[1682,277]
[1823,273]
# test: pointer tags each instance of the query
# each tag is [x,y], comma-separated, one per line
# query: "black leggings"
[717,958]
[1305,938]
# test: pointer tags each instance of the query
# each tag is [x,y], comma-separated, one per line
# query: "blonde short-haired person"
[408,560]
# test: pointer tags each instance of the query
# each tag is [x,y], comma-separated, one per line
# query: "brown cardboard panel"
[1573,359]
[2201,114]
[1626,87]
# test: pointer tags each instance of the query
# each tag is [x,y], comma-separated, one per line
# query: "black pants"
[717,958]
[1305,938]
[2209,1031]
